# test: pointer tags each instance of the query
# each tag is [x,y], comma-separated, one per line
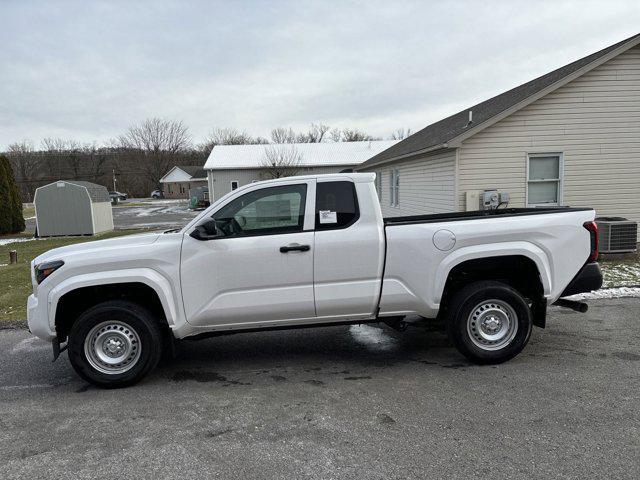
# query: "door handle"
[294,247]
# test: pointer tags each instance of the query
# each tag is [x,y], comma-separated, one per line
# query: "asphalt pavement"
[342,402]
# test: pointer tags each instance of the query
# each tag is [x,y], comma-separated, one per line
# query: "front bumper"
[38,319]
[589,278]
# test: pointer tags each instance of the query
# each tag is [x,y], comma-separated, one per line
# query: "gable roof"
[324,154]
[97,193]
[195,171]
[192,172]
[457,127]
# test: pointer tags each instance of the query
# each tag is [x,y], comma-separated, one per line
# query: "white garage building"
[231,166]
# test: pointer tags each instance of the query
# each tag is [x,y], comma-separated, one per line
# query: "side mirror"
[201,233]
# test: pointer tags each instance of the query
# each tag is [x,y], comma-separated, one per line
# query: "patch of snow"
[372,337]
[153,211]
[30,345]
[7,241]
[617,292]
[624,273]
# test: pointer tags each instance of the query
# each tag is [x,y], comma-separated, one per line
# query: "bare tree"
[24,161]
[336,135]
[355,135]
[229,136]
[315,133]
[283,135]
[350,135]
[96,162]
[160,141]
[281,160]
[400,134]
[68,155]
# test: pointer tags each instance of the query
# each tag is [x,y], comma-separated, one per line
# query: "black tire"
[467,306]
[147,342]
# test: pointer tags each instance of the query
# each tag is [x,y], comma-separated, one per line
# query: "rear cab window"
[336,205]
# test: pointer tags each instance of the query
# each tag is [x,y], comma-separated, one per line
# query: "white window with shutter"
[379,184]
[394,188]
[544,179]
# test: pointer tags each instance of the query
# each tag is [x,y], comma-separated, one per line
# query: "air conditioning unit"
[617,234]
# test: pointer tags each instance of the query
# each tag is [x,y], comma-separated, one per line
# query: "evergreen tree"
[5,201]
[11,219]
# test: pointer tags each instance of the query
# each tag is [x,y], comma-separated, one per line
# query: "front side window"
[394,188]
[336,205]
[544,182]
[263,212]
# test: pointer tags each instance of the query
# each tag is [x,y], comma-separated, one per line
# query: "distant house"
[231,166]
[180,180]
[570,137]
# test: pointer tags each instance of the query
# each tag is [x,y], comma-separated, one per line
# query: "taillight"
[593,233]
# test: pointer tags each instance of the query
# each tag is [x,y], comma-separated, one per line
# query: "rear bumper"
[589,278]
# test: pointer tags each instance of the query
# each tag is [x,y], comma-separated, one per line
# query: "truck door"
[349,250]
[258,265]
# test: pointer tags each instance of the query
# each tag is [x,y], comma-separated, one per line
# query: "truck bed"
[478,215]
[423,249]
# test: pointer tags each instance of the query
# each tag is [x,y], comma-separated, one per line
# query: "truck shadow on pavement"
[354,352]
[313,356]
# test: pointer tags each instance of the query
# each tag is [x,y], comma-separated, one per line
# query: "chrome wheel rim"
[492,325]
[112,347]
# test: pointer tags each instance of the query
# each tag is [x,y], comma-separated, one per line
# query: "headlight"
[45,269]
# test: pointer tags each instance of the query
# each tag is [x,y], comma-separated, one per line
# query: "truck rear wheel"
[115,344]
[489,322]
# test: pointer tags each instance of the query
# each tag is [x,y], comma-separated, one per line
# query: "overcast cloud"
[87,70]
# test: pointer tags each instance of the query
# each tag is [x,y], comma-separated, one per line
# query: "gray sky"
[87,70]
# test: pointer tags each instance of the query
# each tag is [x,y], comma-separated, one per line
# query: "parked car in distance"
[157,194]
[309,251]
[119,196]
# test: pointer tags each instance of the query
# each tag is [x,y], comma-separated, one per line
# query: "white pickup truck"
[310,251]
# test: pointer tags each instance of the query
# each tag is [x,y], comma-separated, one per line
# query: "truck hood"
[97,246]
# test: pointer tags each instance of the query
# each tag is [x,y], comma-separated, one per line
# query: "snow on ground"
[153,201]
[7,241]
[617,292]
[621,273]
[162,210]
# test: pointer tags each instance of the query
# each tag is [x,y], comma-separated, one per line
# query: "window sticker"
[327,216]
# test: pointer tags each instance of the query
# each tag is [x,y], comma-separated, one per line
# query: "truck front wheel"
[489,322]
[115,344]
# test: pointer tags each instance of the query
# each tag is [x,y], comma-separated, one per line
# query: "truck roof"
[359,177]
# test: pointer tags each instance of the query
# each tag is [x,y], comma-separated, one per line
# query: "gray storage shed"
[72,207]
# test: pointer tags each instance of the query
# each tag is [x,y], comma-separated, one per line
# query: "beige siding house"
[571,137]
[231,166]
